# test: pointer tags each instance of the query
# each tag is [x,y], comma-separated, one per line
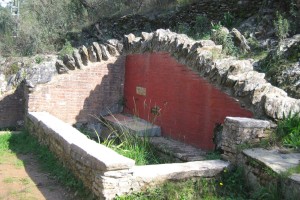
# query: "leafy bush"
[66,49]
[228,20]
[288,131]
[282,26]
[200,29]
[221,36]
[6,21]
[39,59]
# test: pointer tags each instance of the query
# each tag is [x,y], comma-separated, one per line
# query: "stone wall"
[239,131]
[102,170]
[269,169]
[12,108]
[79,95]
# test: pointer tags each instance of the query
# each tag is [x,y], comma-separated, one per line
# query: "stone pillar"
[237,131]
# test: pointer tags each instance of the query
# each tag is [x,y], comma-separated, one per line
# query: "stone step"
[132,124]
[183,152]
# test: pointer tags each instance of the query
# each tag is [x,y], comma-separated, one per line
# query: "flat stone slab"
[178,149]
[177,171]
[133,124]
[248,122]
[273,159]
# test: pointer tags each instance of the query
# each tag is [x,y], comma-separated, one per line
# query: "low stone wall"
[102,170]
[266,168]
[238,131]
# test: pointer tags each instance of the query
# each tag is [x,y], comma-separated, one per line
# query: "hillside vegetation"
[54,27]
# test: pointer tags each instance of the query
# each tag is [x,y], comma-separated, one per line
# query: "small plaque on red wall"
[141,91]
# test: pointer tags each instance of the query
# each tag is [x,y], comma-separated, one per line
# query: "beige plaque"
[141,91]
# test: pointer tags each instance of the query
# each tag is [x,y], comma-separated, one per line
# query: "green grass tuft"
[288,131]
[137,148]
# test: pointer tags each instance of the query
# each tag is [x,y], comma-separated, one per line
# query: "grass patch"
[24,143]
[9,180]
[214,155]
[131,146]
[19,164]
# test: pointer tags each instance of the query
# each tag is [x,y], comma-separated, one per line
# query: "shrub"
[6,21]
[288,131]
[282,26]
[39,59]
[200,29]
[66,49]
[228,20]
[222,37]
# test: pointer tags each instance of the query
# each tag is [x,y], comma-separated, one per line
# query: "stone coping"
[176,171]
[105,158]
[273,159]
[248,122]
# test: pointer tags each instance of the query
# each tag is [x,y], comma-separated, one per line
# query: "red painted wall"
[190,106]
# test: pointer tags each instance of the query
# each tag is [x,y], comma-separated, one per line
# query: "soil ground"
[22,179]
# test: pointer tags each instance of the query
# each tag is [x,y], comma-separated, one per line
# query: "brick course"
[81,94]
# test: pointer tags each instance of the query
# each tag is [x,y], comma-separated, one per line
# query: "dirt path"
[21,179]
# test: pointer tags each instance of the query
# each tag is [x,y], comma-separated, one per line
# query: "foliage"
[271,192]
[6,21]
[200,29]
[214,155]
[282,26]
[229,186]
[288,131]
[221,36]
[42,26]
[24,143]
[228,20]
[38,59]
[66,49]
[132,146]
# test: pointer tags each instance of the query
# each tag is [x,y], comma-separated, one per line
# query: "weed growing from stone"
[132,146]
[282,26]
[288,131]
